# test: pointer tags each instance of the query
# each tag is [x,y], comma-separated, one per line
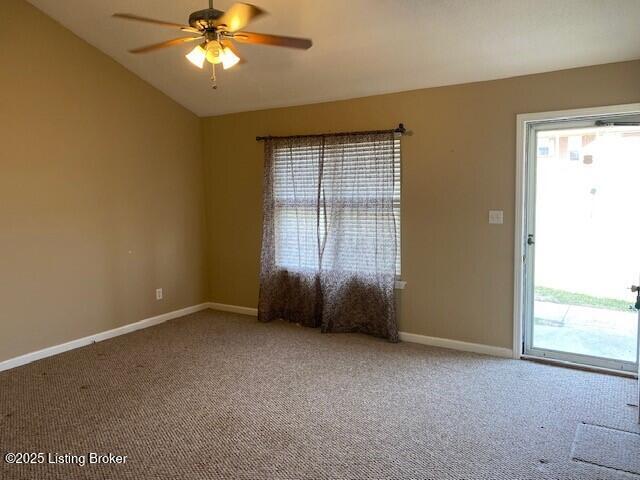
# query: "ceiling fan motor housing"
[204,19]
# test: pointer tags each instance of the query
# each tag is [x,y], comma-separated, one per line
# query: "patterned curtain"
[330,232]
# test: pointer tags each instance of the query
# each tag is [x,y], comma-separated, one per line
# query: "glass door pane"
[587,244]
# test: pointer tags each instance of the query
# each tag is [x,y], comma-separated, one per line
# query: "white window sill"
[400,284]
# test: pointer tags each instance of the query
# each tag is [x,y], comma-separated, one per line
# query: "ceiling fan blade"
[229,44]
[238,16]
[191,30]
[137,18]
[274,40]
[165,44]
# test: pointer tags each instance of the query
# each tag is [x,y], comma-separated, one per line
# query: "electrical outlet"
[158,294]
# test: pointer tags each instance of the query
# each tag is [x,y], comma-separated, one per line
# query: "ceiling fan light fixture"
[229,59]
[216,31]
[197,56]
[214,52]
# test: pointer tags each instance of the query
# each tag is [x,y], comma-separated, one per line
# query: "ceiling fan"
[217,30]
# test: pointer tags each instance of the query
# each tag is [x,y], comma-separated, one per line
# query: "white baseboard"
[223,307]
[457,345]
[149,322]
[98,337]
[404,336]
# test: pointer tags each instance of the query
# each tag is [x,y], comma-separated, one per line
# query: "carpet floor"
[216,395]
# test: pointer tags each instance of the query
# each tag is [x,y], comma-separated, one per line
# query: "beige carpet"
[218,395]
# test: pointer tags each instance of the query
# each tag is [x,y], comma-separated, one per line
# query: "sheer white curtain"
[330,232]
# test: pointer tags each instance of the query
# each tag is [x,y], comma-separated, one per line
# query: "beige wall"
[458,164]
[101,190]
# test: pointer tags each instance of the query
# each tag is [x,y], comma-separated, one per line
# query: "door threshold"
[578,366]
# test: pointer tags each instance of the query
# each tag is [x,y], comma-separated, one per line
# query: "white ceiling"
[362,47]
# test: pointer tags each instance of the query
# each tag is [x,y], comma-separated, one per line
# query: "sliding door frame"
[525,124]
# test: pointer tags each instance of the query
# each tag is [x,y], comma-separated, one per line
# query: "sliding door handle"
[636,288]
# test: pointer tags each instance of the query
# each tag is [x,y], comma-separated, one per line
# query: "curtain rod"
[401,130]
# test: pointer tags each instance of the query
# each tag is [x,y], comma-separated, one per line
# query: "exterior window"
[575,147]
[296,193]
[546,146]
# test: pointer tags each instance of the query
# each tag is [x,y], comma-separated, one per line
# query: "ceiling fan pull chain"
[214,85]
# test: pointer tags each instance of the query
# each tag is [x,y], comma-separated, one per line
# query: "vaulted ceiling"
[361,47]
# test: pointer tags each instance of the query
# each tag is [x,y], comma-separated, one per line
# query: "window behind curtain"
[295,187]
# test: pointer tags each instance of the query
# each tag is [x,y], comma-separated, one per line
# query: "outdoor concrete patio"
[586,330]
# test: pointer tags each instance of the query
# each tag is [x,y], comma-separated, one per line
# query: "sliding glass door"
[583,241]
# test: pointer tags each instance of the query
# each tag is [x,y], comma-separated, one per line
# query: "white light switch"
[158,294]
[496,217]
